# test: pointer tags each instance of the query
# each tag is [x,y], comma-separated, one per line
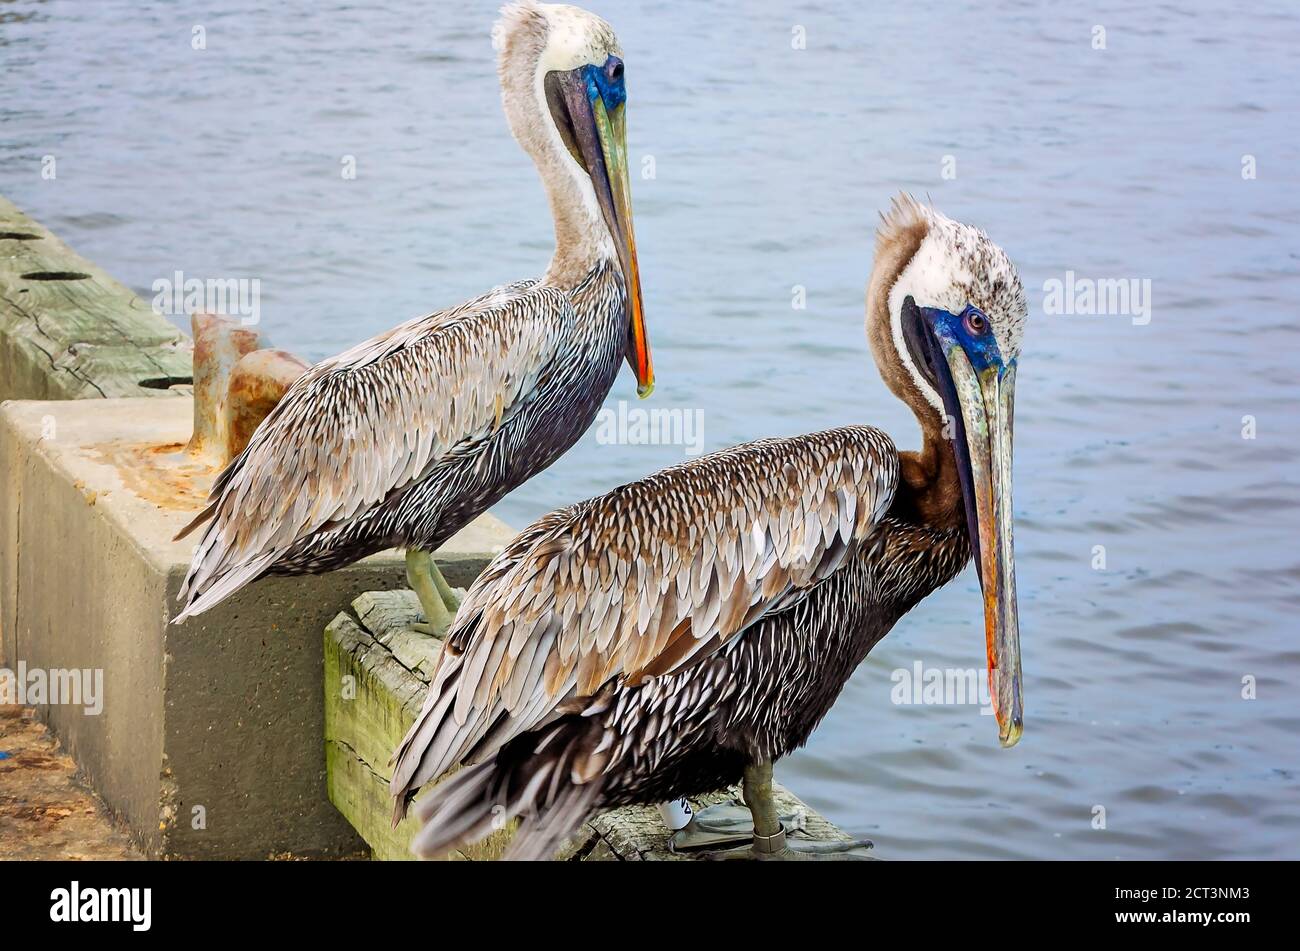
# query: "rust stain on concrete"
[163,475]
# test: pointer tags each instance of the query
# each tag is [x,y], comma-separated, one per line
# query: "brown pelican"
[683,632]
[403,439]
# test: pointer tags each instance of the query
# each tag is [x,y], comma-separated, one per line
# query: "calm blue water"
[770,166]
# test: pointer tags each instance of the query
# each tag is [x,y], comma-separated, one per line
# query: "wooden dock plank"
[69,330]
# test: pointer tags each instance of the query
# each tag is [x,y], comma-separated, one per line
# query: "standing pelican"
[402,440]
[685,631]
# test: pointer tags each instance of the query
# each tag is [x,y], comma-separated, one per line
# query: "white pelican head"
[561,71]
[945,317]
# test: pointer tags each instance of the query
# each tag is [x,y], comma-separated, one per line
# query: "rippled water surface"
[770,164]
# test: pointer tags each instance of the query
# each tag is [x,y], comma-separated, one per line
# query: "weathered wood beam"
[374,686]
[69,330]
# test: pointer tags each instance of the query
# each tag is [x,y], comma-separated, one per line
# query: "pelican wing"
[642,582]
[360,426]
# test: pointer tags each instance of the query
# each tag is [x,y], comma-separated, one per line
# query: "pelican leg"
[766,833]
[437,598]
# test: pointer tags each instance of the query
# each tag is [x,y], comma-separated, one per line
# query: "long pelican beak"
[978,391]
[589,106]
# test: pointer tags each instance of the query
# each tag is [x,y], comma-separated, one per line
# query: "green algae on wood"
[374,687]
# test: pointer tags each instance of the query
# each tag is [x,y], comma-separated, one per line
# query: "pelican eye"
[606,82]
[976,323]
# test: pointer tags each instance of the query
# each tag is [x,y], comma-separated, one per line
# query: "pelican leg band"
[767,844]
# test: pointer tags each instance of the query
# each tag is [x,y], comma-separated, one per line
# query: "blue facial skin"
[981,349]
[606,83]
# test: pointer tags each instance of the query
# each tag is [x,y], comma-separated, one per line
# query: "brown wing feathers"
[640,583]
[360,426]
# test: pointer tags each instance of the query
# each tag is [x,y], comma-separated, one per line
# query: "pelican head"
[561,71]
[946,316]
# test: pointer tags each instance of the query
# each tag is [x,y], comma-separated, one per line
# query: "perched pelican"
[402,440]
[684,632]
